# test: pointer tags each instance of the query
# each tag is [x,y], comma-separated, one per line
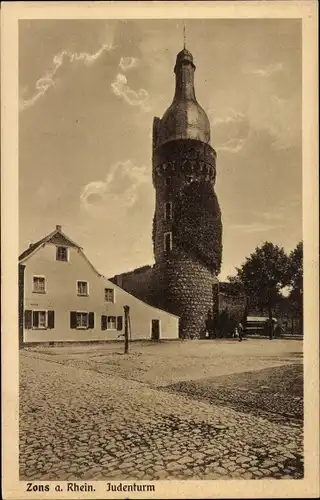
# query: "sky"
[88,92]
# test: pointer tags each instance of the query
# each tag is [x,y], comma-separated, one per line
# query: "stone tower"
[187,227]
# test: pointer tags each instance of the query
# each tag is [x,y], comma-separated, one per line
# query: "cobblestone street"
[78,423]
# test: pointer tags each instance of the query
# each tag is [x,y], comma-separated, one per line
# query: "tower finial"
[184,35]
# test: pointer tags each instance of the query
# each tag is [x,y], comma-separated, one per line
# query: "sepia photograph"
[161,253]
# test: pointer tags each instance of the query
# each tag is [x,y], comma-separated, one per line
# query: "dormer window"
[168,211]
[62,254]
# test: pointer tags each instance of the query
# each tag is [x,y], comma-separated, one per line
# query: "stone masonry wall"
[184,174]
[138,282]
[185,288]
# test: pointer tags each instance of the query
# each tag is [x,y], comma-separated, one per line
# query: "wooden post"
[126,329]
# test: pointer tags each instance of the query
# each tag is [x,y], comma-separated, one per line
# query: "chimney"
[30,245]
[58,228]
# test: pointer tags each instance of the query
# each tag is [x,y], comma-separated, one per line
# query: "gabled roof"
[57,237]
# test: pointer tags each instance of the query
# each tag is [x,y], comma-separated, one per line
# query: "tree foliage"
[295,277]
[263,275]
[197,224]
[295,267]
[232,287]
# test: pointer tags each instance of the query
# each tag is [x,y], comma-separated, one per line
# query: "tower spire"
[184,35]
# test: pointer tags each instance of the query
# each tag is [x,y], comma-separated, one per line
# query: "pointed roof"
[57,237]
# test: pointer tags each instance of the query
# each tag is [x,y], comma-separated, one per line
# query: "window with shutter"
[51,319]
[103,322]
[73,319]
[111,324]
[39,319]
[91,320]
[82,320]
[28,319]
[119,323]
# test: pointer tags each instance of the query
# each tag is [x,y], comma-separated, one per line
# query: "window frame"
[113,301]
[33,283]
[115,323]
[67,253]
[45,311]
[82,294]
[87,316]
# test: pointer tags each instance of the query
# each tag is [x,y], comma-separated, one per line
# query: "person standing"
[240,331]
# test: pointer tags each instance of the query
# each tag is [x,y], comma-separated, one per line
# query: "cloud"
[139,98]
[48,80]
[117,192]
[232,145]
[127,63]
[256,227]
[230,132]
[266,71]
[233,116]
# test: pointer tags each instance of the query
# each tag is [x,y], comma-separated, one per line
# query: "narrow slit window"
[167,242]
[168,210]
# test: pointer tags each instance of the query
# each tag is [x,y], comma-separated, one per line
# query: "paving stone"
[242,460]
[173,466]
[146,432]
[185,460]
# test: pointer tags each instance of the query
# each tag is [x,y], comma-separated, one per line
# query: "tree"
[233,286]
[295,278]
[295,268]
[263,275]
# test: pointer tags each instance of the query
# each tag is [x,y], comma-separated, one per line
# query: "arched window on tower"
[168,210]
[167,242]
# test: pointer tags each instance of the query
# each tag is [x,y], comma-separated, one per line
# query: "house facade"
[63,298]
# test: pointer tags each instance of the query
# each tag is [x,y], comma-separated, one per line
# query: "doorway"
[155,329]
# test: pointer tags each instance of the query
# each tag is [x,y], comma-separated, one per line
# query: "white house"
[63,298]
